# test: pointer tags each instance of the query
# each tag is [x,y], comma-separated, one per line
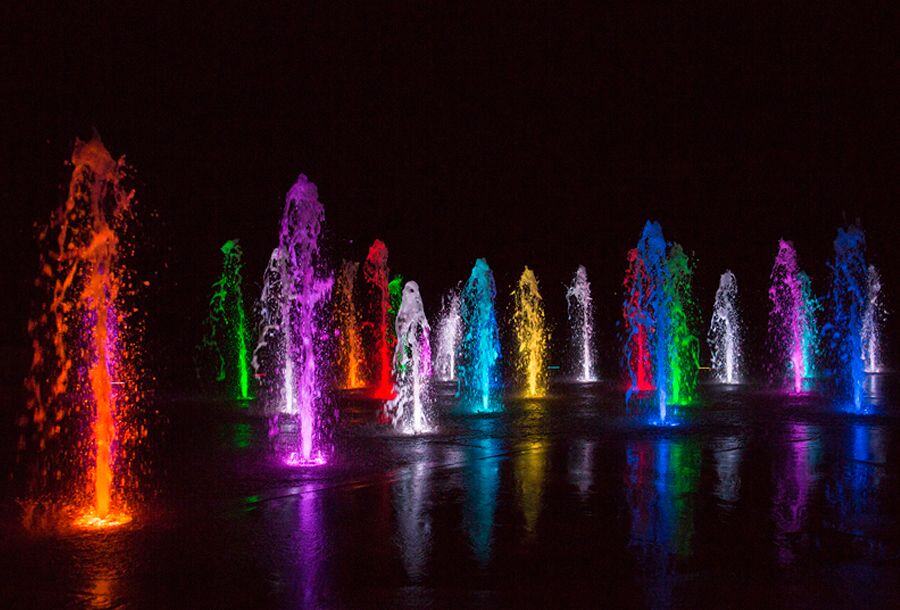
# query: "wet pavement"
[754,499]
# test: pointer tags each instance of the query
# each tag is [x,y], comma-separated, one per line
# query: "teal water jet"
[479,351]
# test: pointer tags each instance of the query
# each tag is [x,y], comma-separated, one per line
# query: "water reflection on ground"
[753,498]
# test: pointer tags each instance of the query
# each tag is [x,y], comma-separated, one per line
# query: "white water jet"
[449,332]
[871,323]
[725,332]
[581,322]
[409,408]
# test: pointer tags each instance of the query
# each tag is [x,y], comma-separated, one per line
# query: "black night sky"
[541,134]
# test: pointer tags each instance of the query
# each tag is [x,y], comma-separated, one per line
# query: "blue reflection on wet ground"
[754,498]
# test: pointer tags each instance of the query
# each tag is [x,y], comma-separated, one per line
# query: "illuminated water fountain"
[531,336]
[375,271]
[646,312]
[449,330]
[83,386]
[290,352]
[725,332]
[661,346]
[873,318]
[581,322]
[479,351]
[787,319]
[846,308]
[812,307]
[226,324]
[684,347]
[409,409]
[350,354]
[395,296]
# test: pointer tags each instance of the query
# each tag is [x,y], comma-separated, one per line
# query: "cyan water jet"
[581,323]
[812,307]
[479,352]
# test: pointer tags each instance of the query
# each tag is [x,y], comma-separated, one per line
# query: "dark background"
[540,134]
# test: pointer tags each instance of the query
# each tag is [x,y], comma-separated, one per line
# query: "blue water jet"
[847,302]
[647,313]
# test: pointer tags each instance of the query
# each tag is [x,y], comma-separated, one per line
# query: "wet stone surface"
[753,499]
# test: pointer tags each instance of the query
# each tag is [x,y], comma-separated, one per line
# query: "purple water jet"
[290,352]
[786,319]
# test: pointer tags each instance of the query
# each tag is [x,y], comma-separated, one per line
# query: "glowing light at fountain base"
[295,459]
[92,521]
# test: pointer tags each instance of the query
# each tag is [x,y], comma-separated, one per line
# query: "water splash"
[409,409]
[636,310]
[531,335]
[646,312]
[395,296]
[83,385]
[479,352]
[350,355]
[725,332]
[375,271]
[449,331]
[847,304]
[226,324]
[684,347]
[873,319]
[787,319]
[581,322]
[291,337]
[812,307]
